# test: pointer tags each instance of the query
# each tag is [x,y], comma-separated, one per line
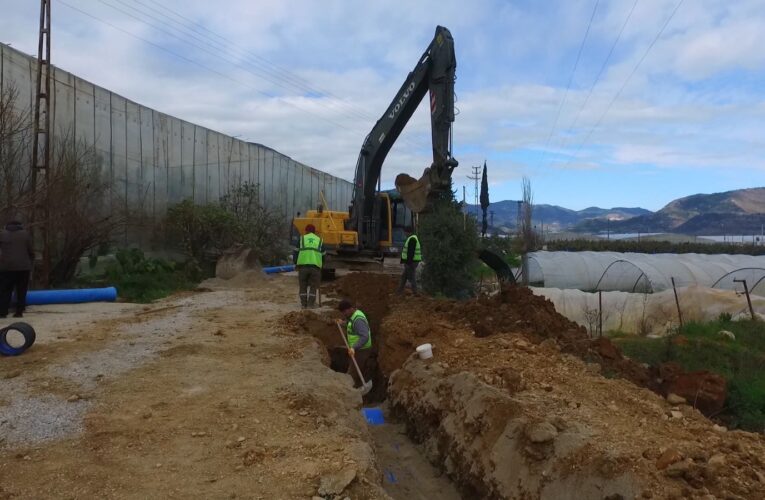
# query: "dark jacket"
[16,252]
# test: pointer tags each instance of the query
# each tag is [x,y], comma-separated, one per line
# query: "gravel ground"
[39,406]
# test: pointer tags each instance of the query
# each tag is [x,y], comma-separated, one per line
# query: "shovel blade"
[364,389]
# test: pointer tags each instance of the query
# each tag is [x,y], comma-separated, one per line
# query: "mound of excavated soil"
[411,321]
[514,310]
[510,419]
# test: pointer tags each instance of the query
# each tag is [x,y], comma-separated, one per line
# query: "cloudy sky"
[598,102]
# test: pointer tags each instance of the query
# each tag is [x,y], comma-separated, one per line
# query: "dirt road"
[204,395]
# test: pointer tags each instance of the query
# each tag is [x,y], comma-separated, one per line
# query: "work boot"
[18,314]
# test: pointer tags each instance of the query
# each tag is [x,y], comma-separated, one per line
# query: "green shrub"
[206,231]
[449,246]
[652,246]
[141,279]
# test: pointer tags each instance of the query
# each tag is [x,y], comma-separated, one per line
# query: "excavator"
[374,225]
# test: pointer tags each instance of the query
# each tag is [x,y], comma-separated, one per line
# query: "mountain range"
[732,212]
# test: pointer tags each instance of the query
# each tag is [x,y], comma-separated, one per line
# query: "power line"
[293,76]
[277,76]
[602,68]
[216,52]
[645,54]
[571,78]
[227,77]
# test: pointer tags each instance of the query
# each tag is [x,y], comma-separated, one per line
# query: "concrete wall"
[154,160]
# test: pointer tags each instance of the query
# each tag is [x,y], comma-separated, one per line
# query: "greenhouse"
[645,273]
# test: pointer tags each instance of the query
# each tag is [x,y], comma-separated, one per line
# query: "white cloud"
[515,62]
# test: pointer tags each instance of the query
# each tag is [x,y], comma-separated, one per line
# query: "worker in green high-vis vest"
[411,256]
[309,262]
[359,337]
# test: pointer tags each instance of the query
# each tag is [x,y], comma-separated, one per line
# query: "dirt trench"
[519,402]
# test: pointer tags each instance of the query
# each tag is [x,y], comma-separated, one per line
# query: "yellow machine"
[344,243]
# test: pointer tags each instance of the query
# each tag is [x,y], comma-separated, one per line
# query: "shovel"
[365,386]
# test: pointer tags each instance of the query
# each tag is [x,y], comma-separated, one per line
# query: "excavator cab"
[394,217]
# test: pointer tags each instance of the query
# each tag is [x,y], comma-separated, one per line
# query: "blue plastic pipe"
[279,269]
[42,297]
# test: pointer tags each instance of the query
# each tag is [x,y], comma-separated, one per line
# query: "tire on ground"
[29,338]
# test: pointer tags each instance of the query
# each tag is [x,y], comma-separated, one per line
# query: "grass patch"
[740,361]
[143,279]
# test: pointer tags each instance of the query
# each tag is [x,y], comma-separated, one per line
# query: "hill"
[554,217]
[740,211]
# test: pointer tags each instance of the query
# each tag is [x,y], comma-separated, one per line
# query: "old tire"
[29,338]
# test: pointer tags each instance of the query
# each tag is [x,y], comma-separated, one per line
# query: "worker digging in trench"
[359,336]
[309,263]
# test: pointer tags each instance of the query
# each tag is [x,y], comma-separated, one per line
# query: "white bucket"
[425,351]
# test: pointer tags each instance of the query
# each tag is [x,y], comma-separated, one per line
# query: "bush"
[652,246]
[206,231]
[449,246]
[261,229]
[142,279]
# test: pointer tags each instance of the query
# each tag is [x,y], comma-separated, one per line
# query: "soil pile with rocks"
[508,418]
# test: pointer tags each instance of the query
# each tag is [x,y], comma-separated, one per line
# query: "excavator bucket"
[414,192]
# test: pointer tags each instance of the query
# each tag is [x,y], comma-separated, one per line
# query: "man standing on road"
[359,337]
[411,256]
[16,258]
[309,264]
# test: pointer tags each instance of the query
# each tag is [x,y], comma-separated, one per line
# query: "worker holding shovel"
[358,340]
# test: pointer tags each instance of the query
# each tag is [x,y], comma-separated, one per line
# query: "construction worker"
[411,256]
[359,337]
[309,262]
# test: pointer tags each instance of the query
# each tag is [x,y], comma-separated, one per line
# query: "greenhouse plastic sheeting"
[644,273]
[649,314]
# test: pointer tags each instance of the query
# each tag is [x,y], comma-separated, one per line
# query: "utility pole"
[476,177]
[41,145]
[491,218]
[518,216]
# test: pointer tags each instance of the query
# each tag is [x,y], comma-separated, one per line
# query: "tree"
[526,235]
[238,219]
[79,219]
[15,151]
[484,200]
[449,247]
[263,230]
[75,190]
